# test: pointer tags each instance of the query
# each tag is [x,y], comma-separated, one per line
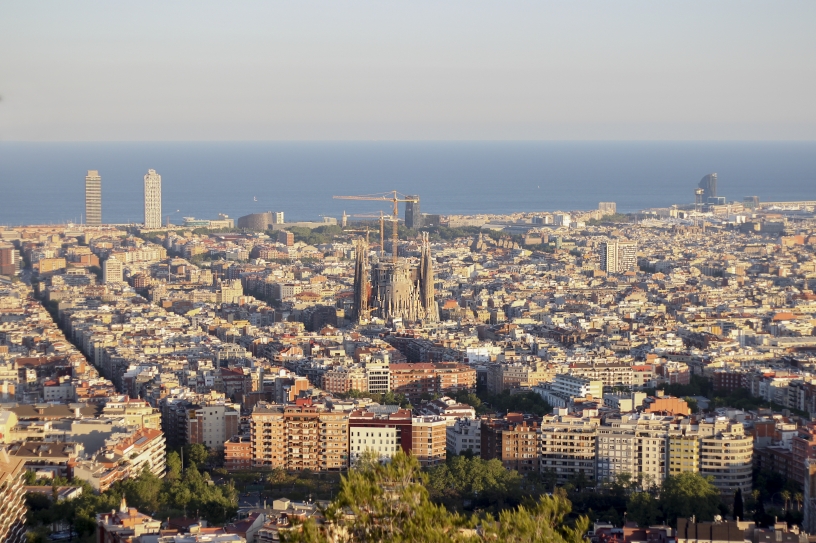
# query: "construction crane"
[382,218]
[395,198]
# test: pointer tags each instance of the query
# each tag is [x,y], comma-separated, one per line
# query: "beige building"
[152,200]
[568,447]
[12,498]
[429,439]
[298,437]
[135,412]
[112,271]
[93,198]
[727,458]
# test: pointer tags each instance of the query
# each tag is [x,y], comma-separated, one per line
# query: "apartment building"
[464,435]
[341,379]
[12,498]
[501,377]
[212,425]
[428,440]
[426,379]
[726,457]
[611,374]
[362,421]
[615,453]
[145,447]
[574,386]
[238,454]
[514,440]
[567,447]
[298,437]
[684,452]
[136,412]
[381,441]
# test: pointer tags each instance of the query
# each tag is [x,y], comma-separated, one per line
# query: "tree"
[196,453]
[798,498]
[786,497]
[643,509]
[485,482]
[543,522]
[173,465]
[388,503]
[739,507]
[384,502]
[689,494]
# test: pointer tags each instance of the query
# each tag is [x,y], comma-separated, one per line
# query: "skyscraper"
[152,200]
[709,185]
[93,198]
[609,257]
[413,218]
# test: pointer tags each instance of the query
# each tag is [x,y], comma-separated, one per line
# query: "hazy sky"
[428,70]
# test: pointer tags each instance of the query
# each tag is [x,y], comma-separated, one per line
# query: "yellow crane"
[395,198]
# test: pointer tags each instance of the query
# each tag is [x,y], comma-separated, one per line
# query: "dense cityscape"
[630,377]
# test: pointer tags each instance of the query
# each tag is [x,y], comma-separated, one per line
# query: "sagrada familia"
[395,290]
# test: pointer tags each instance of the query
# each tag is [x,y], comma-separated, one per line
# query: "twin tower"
[152,199]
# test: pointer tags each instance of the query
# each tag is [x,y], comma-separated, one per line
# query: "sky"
[418,70]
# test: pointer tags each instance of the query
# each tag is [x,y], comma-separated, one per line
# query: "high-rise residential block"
[609,256]
[112,271]
[618,256]
[152,200]
[93,198]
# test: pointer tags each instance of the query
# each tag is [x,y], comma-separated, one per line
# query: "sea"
[43,183]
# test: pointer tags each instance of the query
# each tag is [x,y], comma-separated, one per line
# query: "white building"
[618,256]
[464,435]
[562,219]
[573,386]
[112,271]
[152,200]
[382,441]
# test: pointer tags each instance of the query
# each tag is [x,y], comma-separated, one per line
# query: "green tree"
[384,502]
[196,453]
[143,491]
[689,494]
[543,522]
[739,507]
[173,465]
[643,509]
[484,482]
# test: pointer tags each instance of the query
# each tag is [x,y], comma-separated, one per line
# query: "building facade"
[152,200]
[93,198]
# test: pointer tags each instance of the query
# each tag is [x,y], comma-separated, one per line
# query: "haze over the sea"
[44,182]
